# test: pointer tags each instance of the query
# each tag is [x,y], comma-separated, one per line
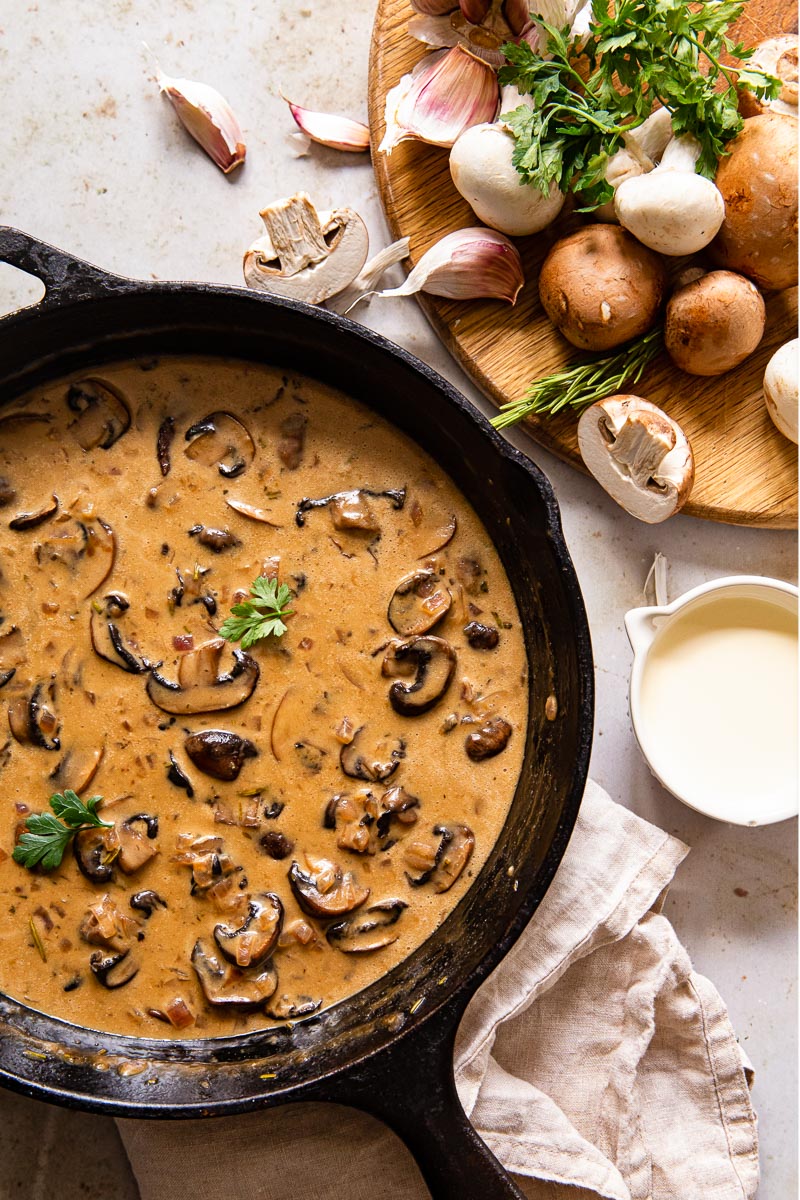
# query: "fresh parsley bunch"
[46,838]
[260,617]
[645,54]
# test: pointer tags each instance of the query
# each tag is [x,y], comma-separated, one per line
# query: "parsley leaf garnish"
[644,54]
[260,617]
[45,838]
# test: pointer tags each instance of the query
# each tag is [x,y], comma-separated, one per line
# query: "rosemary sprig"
[585,382]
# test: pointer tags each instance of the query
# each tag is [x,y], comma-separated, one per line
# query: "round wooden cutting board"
[746,472]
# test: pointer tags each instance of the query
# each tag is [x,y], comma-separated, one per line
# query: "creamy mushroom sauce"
[123,549]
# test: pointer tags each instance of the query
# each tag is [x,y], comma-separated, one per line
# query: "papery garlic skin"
[370,274]
[338,133]
[469,264]
[208,118]
[446,93]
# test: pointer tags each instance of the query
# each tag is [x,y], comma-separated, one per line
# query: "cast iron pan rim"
[118,289]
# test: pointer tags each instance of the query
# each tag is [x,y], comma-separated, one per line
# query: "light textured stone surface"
[95,161]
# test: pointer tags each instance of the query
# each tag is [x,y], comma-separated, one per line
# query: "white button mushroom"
[483,172]
[713,323]
[306,255]
[639,455]
[672,209]
[781,388]
[641,150]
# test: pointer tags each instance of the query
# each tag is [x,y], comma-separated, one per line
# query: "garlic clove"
[338,133]
[469,264]
[209,119]
[475,11]
[364,283]
[446,92]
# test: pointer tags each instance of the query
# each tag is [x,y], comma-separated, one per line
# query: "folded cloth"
[594,1062]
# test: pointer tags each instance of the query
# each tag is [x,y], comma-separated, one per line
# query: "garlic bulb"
[467,265]
[446,93]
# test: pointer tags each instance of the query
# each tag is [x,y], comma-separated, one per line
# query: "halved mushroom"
[328,892]
[490,739]
[215,540]
[200,688]
[37,516]
[351,509]
[221,440]
[107,640]
[304,254]
[95,850]
[291,1008]
[369,930]
[86,549]
[218,752]
[419,602]
[254,940]
[252,511]
[103,413]
[226,985]
[638,454]
[32,720]
[431,660]
[177,775]
[104,924]
[384,759]
[441,865]
[114,970]
[135,848]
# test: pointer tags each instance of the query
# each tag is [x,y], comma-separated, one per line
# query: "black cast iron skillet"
[389,1049]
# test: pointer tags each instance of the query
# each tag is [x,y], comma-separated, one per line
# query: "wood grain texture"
[746,472]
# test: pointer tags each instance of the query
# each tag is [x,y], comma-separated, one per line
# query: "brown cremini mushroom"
[254,940]
[714,323]
[600,287]
[638,454]
[103,413]
[328,891]
[418,603]
[199,687]
[369,930]
[442,862]
[758,182]
[219,752]
[229,986]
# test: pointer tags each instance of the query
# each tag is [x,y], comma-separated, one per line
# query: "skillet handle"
[64,277]
[410,1086]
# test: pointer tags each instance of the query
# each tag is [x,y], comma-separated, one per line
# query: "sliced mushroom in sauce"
[219,752]
[291,1008]
[199,687]
[221,440]
[326,892]
[215,540]
[419,602]
[106,637]
[36,516]
[351,509]
[84,550]
[375,763]
[96,850]
[102,412]
[368,930]
[164,439]
[442,863]
[32,719]
[136,844]
[431,660]
[227,985]
[104,924]
[254,940]
[354,819]
[147,901]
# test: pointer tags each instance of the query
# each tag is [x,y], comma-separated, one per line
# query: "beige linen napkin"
[594,1062]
